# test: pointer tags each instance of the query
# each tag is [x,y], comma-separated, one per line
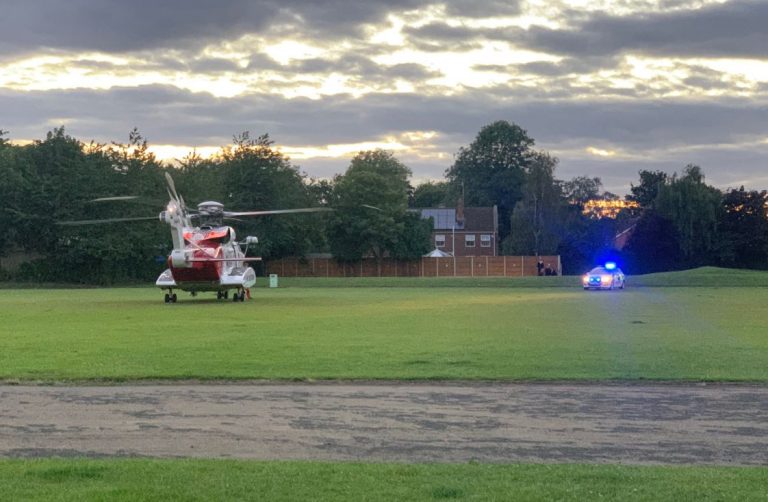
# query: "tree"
[415,239]
[653,245]
[491,171]
[258,176]
[536,218]
[744,225]
[693,208]
[430,194]
[581,189]
[585,241]
[11,191]
[650,183]
[374,178]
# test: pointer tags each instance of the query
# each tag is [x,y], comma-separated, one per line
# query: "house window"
[439,240]
[469,241]
[485,240]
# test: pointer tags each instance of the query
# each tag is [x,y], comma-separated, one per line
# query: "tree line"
[674,221]
[60,179]
[679,221]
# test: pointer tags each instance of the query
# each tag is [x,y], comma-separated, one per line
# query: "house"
[471,231]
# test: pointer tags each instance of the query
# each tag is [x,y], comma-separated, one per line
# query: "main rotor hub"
[211,213]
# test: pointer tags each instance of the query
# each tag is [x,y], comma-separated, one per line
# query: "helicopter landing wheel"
[219,295]
[226,295]
[173,298]
[167,298]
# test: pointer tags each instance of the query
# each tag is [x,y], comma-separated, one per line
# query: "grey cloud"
[730,29]
[486,8]
[439,36]
[650,129]
[567,66]
[705,78]
[117,26]
[262,62]
[410,71]
[112,25]
[443,32]
[362,68]
[724,167]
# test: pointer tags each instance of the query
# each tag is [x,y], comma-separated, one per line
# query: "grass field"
[311,330]
[277,481]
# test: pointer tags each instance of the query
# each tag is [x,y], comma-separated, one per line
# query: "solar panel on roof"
[444,219]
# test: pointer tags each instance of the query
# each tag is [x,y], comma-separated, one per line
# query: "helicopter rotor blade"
[171,186]
[104,221]
[117,197]
[278,211]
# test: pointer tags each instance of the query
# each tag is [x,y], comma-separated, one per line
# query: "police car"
[608,276]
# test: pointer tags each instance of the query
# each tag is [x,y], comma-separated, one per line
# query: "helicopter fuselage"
[210,260]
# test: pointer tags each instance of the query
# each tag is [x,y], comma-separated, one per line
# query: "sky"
[609,87]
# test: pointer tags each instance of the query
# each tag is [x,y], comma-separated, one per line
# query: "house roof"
[443,219]
[478,219]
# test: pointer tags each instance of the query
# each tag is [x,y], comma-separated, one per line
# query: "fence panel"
[462,266]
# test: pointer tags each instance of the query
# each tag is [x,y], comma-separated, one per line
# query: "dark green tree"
[536,219]
[491,170]
[581,189]
[431,194]
[374,178]
[694,209]
[11,192]
[257,176]
[415,239]
[744,226]
[650,183]
[653,245]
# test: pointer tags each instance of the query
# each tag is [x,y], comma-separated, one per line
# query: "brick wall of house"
[462,248]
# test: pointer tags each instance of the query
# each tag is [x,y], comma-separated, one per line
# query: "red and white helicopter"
[206,256]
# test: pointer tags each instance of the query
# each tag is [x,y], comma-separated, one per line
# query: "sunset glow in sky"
[609,87]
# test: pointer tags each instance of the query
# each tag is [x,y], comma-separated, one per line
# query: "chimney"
[460,212]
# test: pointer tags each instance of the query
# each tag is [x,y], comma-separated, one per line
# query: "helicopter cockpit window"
[210,215]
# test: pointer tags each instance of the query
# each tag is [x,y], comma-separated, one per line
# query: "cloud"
[308,73]
[169,115]
[360,66]
[670,132]
[117,26]
[733,29]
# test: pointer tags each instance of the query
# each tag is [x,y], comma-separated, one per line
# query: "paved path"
[690,424]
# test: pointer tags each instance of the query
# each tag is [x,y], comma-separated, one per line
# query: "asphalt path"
[419,422]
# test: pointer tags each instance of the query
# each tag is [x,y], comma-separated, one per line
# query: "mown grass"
[699,277]
[507,333]
[142,479]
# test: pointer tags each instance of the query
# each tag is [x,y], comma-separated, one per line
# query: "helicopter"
[206,255]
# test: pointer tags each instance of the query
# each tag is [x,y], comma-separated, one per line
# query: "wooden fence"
[469,266]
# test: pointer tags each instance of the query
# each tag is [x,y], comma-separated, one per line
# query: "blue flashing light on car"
[608,276]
